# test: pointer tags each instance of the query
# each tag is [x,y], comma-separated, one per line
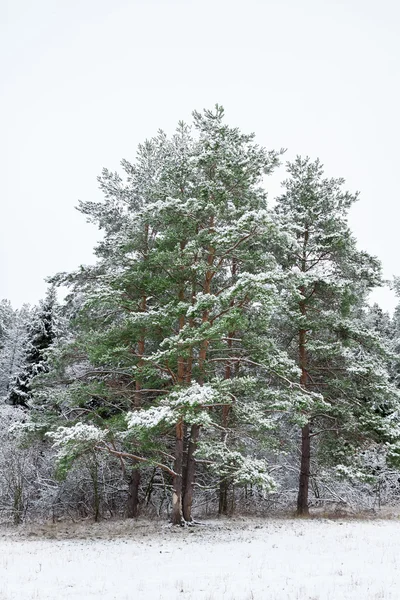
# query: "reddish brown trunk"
[184,375]
[177,486]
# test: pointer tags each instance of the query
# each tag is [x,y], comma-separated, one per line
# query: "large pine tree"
[338,354]
[174,310]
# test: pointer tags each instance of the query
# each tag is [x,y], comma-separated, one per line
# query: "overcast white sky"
[84,81]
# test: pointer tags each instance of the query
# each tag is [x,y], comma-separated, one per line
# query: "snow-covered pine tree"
[338,354]
[6,319]
[379,321]
[39,337]
[183,279]
[14,325]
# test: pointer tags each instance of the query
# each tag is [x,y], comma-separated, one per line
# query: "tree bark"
[223,497]
[96,496]
[302,498]
[133,494]
[224,483]
[304,477]
[177,517]
[190,474]
[135,476]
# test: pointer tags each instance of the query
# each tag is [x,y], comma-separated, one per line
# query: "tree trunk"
[304,477]
[96,496]
[223,497]
[190,473]
[302,498]
[134,477]
[133,494]
[18,504]
[224,482]
[177,518]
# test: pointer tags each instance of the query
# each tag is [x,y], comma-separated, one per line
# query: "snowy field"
[238,560]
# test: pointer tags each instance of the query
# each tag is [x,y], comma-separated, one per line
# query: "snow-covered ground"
[239,560]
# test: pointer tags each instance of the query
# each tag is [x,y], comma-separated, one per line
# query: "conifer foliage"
[168,321]
[211,327]
[13,331]
[39,337]
[337,353]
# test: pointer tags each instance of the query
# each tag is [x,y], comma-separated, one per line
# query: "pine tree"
[171,311]
[338,354]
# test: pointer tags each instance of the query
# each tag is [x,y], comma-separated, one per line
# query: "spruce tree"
[14,327]
[41,333]
[6,319]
